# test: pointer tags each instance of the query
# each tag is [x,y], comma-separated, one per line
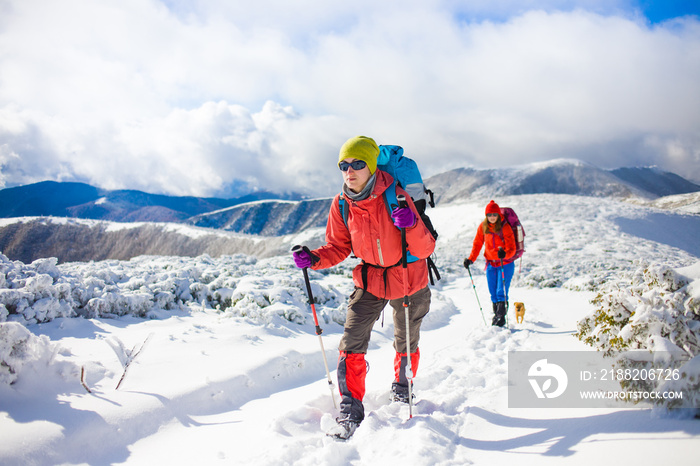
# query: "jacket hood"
[383,182]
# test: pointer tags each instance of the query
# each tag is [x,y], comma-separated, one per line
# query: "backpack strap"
[391,202]
[504,261]
[344,211]
[431,197]
[432,269]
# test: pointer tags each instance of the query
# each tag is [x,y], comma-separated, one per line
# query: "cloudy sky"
[203,97]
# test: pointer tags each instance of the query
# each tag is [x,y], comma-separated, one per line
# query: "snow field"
[232,372]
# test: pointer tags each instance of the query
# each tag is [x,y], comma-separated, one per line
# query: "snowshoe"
[344,429]
[399,393]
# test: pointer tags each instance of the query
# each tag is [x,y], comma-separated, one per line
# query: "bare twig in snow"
[82,379]
[129,355]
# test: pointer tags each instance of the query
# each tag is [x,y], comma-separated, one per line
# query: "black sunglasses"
[356,165]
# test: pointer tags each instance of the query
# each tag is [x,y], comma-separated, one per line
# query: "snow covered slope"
[686,203]
[32,238]
[232,373]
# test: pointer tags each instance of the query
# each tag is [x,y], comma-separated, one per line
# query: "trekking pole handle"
[402,201]
[404,246]
[299,248]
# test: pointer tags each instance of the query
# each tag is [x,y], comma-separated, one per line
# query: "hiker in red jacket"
[497,237]
[373,235]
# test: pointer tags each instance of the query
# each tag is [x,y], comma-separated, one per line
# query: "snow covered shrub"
[18,346]
[657,310]
[33,293]
[149,286]
[262,297]
[272,291]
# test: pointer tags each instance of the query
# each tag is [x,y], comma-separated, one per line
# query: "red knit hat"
[492,208]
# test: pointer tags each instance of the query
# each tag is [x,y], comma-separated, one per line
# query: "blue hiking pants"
[494,277]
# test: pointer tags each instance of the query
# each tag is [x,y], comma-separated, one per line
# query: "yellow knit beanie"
[360,148]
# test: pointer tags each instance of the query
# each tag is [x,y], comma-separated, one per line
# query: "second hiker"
[371,232]
[499,251]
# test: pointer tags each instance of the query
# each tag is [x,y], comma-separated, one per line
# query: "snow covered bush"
[657,309]
[33,291]
[18,347]
[265,295]
[150,286]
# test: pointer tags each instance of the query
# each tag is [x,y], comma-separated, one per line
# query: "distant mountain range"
[80,200]
[562,176]
[262,215]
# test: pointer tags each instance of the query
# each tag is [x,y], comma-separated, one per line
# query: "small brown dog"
[519,312]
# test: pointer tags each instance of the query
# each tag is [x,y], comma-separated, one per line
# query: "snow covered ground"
[245,383]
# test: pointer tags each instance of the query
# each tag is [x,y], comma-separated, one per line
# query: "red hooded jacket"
[372,236]
[493,241]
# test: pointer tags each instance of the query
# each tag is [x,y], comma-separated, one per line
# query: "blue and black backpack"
[405,173]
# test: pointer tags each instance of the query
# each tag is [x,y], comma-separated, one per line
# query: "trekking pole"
[404,263]
[505,290]
[477,297]
[319,331]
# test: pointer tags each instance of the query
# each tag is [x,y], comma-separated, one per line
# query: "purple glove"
[303,258]
[403,217]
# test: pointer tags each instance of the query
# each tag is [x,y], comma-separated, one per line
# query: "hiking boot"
[399,393]
[499,314]
[344,428]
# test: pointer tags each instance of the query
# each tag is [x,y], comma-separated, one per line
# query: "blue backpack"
[405,173]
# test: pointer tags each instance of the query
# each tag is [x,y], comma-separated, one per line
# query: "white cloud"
[186,98]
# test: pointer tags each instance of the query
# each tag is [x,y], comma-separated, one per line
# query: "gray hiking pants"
[364,309]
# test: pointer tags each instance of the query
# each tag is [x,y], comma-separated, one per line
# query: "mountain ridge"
[561,176]
[81,200]
[266,227]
